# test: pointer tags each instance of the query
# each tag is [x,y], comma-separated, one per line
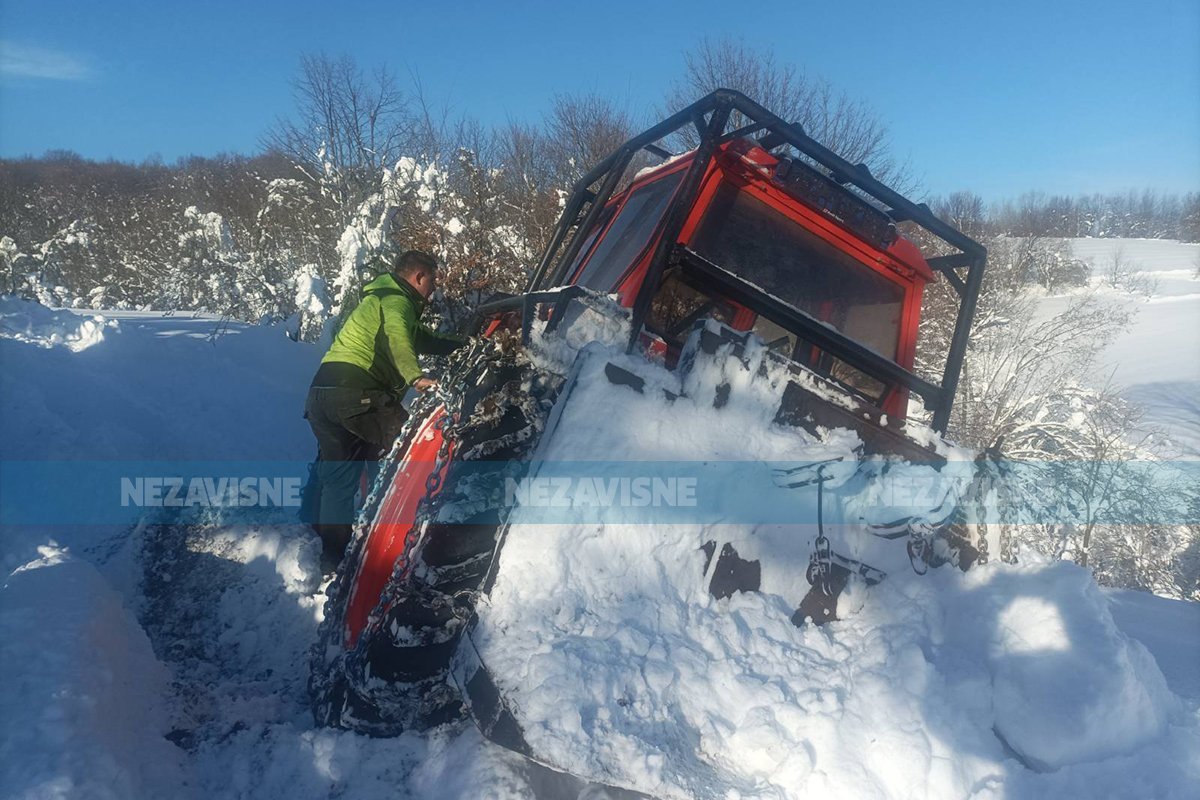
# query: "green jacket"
[381,338]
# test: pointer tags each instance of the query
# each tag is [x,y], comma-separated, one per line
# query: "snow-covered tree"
[831,116]
[62,262]
[1016,358]
[311,303]
[483,250]
[348,126]
[453,210]
[14,266]
[292,254]
[206,271]
[1088,487]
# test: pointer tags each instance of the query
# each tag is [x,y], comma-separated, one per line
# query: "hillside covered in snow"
[1155,363]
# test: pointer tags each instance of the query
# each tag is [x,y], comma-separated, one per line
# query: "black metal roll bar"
[710,116]
[527,304]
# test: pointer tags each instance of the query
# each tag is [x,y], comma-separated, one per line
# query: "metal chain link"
[820,565]
[922,534]
[417,414]
[450,395]
[920,545]
[982,547]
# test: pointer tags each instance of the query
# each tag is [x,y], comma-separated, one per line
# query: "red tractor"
[757,242]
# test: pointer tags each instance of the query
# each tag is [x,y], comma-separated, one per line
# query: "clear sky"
[1060,96]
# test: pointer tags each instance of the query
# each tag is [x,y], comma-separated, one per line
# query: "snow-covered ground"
[1156,363]
[161,660]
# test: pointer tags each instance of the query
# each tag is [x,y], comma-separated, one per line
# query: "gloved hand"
[424,384]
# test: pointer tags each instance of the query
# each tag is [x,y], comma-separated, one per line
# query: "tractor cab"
[764,230]
[756,228]
[767,232]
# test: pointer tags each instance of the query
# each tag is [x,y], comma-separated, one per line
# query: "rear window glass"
[761,245]
[589,240]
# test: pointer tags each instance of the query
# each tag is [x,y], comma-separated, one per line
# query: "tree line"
[253,237]
[1132,215]
[363,166]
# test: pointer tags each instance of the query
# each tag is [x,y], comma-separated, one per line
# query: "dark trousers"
[354,429]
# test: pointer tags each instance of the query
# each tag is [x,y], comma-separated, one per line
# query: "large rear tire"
[391,674]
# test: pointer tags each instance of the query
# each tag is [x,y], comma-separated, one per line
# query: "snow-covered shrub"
[61,262]
[31,322]
[13,266]
[292,254]
[1127,275]
[312,303]
[1096,493]
[207,268]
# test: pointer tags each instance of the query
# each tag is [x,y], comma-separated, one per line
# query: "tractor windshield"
[763,246]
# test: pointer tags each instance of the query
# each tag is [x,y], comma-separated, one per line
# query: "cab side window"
[629,234]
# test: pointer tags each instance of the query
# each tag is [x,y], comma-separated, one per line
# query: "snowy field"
[1156,363]
[156,661]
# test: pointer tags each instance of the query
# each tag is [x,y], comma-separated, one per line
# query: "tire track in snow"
[233,611]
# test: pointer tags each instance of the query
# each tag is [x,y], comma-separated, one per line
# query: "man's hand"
[424,384]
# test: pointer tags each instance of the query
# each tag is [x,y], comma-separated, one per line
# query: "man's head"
[419,270]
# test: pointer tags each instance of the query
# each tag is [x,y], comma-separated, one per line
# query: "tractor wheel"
[389,672]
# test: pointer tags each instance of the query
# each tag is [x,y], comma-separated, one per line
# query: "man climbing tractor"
[353,403]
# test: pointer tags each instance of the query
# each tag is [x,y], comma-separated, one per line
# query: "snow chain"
[820,565]
[920,544]
[451,396]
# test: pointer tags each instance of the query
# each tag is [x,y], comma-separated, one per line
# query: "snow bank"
[1003,678]
[1067,686]
[168,388]
[622,667]
[82,696]
[30,321]
[1170,629]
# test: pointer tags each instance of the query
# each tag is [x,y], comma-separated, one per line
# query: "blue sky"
[1000,98]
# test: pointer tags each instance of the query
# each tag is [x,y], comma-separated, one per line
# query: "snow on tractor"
[745,312]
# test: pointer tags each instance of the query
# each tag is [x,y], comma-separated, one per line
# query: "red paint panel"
[392,527]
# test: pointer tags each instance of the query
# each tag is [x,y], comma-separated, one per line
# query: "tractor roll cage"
[710,117]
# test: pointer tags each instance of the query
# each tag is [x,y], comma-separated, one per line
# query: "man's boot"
[334,540]
[310,495]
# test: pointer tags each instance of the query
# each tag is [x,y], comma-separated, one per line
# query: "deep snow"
[624,669]
[170,661]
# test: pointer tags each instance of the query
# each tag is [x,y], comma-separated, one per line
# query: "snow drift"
[84,700]
[620,665]
[31,322]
